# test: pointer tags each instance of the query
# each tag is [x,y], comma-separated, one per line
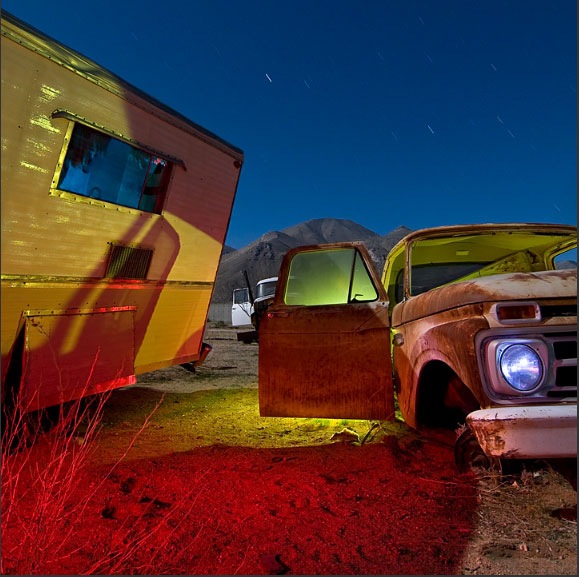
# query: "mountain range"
[262,258]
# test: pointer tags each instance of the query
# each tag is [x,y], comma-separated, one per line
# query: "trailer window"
[99,166]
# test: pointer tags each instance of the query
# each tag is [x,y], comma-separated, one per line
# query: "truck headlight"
[521,366]
[514,366]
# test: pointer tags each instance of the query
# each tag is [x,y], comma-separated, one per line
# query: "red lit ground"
[209,487]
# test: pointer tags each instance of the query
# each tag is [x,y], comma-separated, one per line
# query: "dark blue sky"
[388,113]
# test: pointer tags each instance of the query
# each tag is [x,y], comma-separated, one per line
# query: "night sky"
[387,113]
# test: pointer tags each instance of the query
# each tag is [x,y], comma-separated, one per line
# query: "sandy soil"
[185,477]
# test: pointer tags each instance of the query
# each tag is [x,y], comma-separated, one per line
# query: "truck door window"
[240,296]
[362,290]
[328,277]
[99,166]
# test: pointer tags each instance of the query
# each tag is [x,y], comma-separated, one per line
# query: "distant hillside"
[262,257]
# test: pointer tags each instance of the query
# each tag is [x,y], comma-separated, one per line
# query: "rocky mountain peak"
[262,257]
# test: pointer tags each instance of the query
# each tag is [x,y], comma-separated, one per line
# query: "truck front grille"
[564,347]
[551,311]
[559,358]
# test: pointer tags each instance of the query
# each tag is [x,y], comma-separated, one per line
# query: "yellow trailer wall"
[55,244]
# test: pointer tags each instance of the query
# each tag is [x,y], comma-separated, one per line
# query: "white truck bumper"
[534,432]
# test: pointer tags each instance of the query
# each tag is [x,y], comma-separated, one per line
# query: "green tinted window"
[329,277]
[363,289]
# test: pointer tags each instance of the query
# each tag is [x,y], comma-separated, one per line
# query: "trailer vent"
[128,262]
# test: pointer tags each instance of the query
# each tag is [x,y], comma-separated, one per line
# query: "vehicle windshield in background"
[266,289]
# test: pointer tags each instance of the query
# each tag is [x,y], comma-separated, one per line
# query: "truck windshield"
[266,289]
[442,260]
[426,277]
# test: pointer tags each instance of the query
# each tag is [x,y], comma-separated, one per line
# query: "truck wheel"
[469,455]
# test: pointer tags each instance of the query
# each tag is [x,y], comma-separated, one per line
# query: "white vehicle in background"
[264,293]
[248,310]
[241,308]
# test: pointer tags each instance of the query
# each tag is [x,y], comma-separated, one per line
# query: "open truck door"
[324,343]
[241,308]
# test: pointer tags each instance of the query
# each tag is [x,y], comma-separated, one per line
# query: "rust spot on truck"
[491,437]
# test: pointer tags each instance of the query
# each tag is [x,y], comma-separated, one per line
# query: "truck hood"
[551,284]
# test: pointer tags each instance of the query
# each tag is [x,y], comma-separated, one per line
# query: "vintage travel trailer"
[114,209]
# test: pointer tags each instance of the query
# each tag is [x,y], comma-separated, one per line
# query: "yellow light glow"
[33,167]
[44,122]
[49,92]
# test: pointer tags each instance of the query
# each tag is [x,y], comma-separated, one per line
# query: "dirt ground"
[185,477]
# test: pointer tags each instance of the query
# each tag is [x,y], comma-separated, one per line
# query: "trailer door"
[324,344]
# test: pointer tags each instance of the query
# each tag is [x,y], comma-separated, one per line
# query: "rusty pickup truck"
[470,327]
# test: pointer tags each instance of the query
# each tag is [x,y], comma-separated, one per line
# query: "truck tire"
[469,455]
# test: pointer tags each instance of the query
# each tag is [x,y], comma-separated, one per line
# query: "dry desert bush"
[46,486]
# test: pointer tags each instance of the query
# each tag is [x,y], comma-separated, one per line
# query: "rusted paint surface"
[310,368]
[447,337]
[492,436]
[326,361]
[514,286]
[526,432]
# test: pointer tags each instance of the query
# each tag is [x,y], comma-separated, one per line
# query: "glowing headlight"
[521,367]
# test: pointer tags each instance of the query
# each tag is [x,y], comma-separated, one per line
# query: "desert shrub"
[47,485]
[44,454]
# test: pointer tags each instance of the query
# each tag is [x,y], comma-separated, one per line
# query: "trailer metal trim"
[71,116]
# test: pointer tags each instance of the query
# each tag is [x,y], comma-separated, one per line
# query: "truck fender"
[440,395]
